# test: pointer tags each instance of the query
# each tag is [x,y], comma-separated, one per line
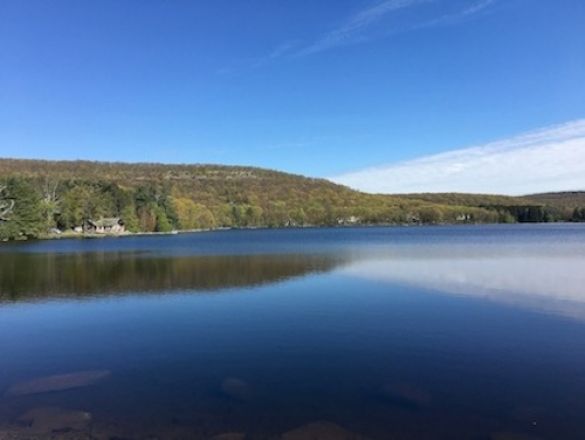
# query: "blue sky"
[322,88]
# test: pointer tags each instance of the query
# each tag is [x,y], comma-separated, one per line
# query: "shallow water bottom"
[320,335]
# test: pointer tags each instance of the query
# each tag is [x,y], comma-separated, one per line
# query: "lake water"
[470,332]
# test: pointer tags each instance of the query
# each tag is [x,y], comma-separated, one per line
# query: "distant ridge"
[560,200]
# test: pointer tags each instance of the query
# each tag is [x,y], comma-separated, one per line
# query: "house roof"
[106,222]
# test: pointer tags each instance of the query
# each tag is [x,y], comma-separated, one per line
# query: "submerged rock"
[229,436]
[406,394]
[321,431]
[58,382]
[527,414]
[53,419]
[513,436]
[236,388]
[12,434]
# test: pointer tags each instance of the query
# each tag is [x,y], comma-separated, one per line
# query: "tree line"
[39,197]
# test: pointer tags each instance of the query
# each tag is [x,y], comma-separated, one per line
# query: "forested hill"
[565,201]
[41,196]
[562,200]
[557,206]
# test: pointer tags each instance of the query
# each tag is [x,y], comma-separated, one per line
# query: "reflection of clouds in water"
[552,281]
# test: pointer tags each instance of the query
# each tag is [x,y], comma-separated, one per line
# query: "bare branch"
[6,207]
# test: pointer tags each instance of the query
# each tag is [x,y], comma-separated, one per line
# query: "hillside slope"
[470,199]
[561,200]
[567,206]
[563,206]
[38,196]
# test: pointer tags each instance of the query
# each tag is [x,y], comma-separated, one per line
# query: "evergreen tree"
[579,215]
[130,218]
[162,222]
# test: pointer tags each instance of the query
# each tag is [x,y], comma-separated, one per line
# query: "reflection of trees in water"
[28,276]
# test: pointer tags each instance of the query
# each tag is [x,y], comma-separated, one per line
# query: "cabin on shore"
[113,225]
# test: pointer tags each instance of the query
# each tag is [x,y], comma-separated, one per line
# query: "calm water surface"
[391,333]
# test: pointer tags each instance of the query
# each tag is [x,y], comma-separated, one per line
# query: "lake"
[468,332]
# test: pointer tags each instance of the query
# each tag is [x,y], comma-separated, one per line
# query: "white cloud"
[550,159]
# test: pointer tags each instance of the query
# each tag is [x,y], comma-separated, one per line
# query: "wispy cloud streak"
[351,31]
[550,159]
[471,11]
[356,28]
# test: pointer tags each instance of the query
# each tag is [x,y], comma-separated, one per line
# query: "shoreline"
[83,236]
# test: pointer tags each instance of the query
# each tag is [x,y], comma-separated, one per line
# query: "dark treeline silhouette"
[37,197]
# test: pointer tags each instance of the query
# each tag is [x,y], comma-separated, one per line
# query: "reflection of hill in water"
[28,276]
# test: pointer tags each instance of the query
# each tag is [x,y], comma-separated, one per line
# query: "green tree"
[24,218]
[579,215]
[77,206]
[50,202]
[238,218]
[298,216]
[430,214]
[130,218]
[253,215]
[193,215]
[162,222]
